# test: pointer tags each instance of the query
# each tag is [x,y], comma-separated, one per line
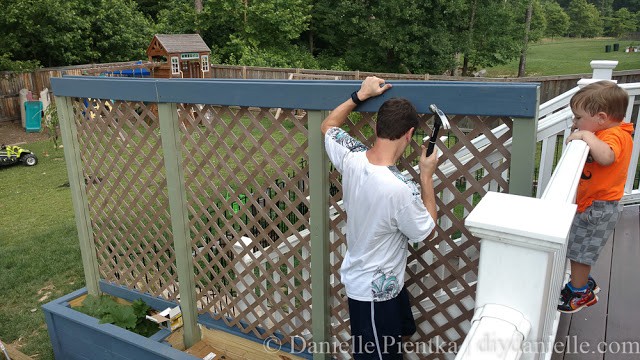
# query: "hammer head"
[442,118]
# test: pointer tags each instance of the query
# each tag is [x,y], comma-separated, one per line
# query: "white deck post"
[522,262]
[523,244]
[603,69]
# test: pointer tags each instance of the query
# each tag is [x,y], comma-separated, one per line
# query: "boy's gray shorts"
[590,231]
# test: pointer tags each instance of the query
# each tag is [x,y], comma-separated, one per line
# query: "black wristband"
[355,99]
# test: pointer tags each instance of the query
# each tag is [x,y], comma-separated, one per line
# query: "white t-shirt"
[385,212]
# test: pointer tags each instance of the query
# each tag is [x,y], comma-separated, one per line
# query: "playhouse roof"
[181,43]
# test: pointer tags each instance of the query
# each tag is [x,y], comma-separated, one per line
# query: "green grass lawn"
[566,56]
[39,251]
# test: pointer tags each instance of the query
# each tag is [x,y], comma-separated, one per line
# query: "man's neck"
[385,152]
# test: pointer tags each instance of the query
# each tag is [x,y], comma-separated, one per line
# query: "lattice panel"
[441,273]
[247,182]
[123,167]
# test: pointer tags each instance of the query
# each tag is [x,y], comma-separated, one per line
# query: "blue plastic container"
[33,114]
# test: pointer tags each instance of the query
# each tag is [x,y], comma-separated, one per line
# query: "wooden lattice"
[247,183]
[123,168]
[441,274]
[246,177]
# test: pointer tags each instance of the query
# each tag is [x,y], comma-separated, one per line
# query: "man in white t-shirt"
[385,213]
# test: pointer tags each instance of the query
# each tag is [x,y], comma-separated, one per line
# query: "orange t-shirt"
[606,183]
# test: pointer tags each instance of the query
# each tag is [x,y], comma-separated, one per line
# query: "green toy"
[12,154]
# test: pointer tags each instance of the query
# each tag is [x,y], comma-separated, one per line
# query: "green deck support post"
[78,194]
[320,266]
[171,146]
[523,156]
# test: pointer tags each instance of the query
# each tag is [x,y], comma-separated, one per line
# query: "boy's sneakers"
[593,285]
[571,302]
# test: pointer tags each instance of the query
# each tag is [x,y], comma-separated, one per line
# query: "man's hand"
[372,86]
[427,165]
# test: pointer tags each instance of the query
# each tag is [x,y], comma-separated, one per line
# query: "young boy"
[598,109]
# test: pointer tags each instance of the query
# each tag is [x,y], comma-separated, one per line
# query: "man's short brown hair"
[395,117]
[602,96]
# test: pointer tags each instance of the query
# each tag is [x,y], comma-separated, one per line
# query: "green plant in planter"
[131,317]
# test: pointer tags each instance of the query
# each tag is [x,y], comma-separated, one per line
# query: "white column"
[603,69]
[522,245]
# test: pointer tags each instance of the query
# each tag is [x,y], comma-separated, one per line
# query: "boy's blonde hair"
[602,96]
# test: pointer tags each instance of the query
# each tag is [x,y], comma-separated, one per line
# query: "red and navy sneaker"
[593,285]
[575,301]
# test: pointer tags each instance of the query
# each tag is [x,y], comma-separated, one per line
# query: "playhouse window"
[175,65]
[205,63]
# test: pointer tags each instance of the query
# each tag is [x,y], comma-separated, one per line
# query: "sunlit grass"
[564,56]
[39,251]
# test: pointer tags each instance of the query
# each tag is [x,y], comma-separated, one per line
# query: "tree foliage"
[60,32]
[557,19]
[585,19]
[622,22]
[407,36]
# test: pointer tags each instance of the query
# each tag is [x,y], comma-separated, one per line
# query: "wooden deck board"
[561,336]
[610,321]
[623,324]
[587,325]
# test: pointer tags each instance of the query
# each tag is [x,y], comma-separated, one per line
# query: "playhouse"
[179,56]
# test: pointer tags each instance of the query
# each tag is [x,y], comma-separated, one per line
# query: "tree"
[498,32]
[388,36]
[631,5]
[151,8]
[119,32]
[622,22]
[276,22]
[557,19]
[61,32]
[605,7]
[6,64]
[585,19]
[178,17]
[268,36]
[523,54]
[52,32]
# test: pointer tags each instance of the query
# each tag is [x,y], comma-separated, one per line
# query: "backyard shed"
[180,56]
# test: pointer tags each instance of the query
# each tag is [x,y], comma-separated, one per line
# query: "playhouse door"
[194,67]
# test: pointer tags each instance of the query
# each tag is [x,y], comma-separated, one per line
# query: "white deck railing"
[516,313]
[529,235]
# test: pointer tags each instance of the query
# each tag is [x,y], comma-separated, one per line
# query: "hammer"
[440,121]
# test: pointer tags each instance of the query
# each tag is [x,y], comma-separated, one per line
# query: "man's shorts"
[590,231]
[381,338]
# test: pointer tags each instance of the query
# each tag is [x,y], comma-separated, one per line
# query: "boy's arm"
[371,86]
[600,150]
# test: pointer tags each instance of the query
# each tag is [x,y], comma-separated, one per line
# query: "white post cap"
[603,69]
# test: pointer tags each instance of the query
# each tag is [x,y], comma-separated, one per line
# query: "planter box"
[75,335]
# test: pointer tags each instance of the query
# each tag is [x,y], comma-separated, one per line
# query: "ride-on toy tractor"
[12,154]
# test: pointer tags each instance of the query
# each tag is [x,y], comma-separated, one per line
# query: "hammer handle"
[432,139]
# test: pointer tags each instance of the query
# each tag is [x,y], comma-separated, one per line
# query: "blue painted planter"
[75,335]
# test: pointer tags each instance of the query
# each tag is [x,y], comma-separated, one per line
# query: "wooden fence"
[11,83]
